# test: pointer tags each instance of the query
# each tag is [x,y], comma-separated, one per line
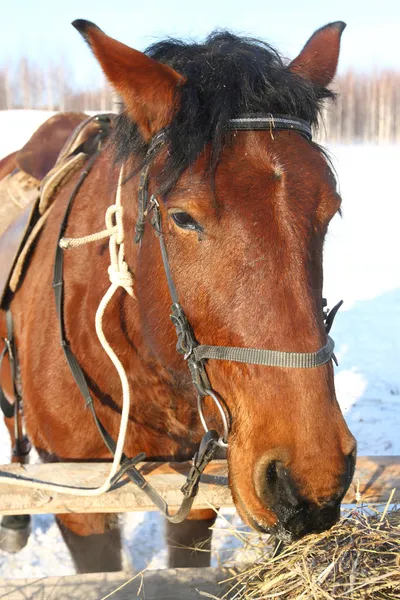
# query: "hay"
[359,558]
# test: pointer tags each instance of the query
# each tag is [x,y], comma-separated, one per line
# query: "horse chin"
[277,530]
[260,525]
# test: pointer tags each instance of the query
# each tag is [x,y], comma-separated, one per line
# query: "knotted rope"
[119,276]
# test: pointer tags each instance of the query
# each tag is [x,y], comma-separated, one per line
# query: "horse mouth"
[298,530]
[297,523]
[278,530]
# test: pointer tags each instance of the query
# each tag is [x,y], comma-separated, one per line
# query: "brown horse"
[243,214]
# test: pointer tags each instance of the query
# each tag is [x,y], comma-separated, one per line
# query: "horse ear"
[318,60]
[146,86]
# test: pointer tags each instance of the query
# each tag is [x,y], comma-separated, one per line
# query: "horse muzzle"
[296,515]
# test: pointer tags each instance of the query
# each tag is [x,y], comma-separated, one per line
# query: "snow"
[17,126]
[362,266]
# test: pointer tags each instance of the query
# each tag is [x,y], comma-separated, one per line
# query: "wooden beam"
[166,584]
[375,478]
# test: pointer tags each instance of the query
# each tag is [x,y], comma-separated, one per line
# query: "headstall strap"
[21,443]
[208,446]
[143,195]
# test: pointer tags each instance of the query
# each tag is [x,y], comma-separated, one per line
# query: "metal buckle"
[186,341]
[189,352]
[8,345]
[153,203]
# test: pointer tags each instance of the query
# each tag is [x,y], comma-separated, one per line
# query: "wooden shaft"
[374,479]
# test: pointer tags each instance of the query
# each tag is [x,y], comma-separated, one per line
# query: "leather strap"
[5,405]
[20,448]
[143,198]
[271,123]
[330,316]
[208,446]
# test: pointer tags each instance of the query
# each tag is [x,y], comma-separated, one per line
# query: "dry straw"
[359,558]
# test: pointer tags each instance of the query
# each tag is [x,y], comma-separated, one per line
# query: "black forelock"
[226,76]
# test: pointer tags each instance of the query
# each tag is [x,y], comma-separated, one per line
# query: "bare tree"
[367,107]
[25,83]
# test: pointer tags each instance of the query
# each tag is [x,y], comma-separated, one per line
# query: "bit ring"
[223,440]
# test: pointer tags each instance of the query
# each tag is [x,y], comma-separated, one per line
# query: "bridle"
[194,353]
[197,354]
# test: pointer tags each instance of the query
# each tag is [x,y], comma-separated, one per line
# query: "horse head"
[244,214]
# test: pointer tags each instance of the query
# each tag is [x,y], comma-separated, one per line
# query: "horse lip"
[277,530]
[280,529]
[301,524]
[259,525]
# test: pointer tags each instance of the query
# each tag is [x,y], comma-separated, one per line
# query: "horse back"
[8,164]
[40,153]
[51,156]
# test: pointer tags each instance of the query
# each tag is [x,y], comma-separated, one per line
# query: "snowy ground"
[362,266]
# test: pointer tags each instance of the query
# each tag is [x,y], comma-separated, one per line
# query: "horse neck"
[152,389]
[121,320]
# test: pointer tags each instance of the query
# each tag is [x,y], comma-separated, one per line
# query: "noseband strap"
[267,358]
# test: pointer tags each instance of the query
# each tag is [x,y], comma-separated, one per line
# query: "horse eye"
[185,221]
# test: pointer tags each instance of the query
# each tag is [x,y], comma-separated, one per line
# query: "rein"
[195,354]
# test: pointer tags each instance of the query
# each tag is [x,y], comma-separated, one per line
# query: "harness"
[195,354]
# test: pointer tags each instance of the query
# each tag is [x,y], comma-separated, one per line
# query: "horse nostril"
[272,474]
[280,484]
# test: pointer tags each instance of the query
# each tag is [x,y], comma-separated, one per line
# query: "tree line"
[367,108]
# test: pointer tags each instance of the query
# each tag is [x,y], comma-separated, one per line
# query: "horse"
[239,198]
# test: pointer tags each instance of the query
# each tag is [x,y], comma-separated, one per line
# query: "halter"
[197,354]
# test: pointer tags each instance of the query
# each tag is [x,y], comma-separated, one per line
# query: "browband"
[271,123]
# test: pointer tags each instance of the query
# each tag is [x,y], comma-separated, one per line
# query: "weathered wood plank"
[375,478]
[167,584]
[166,478]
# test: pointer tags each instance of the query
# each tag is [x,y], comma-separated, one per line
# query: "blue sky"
[41,29]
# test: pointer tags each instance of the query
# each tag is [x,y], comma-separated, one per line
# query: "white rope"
[67,243]
[120,276]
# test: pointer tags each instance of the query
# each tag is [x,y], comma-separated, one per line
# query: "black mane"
[227,76]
